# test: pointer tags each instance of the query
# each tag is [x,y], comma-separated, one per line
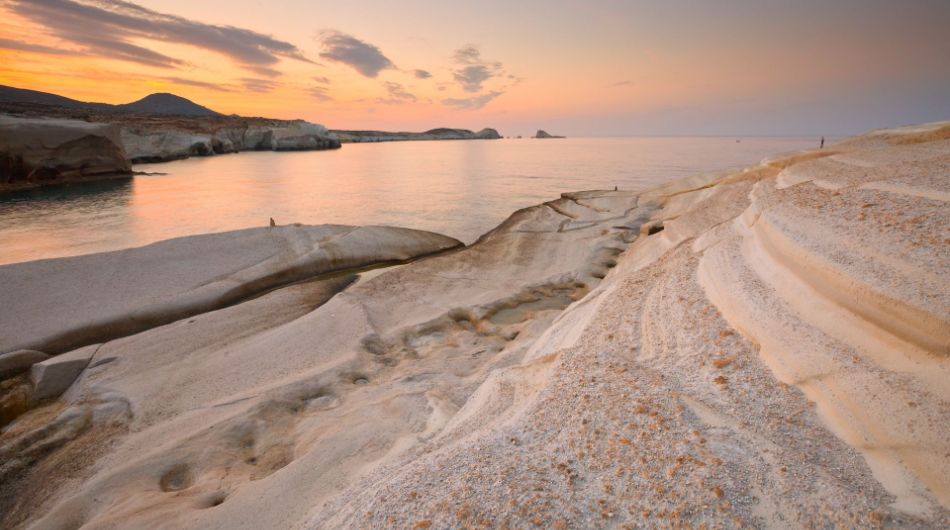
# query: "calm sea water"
[458,188]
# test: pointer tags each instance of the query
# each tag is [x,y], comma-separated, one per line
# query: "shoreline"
[42,145]
[729,348]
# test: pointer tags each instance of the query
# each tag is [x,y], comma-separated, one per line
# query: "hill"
[160,103]
[9,94]
[165,103]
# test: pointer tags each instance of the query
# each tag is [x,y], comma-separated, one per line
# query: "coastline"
[43,144]
[724,349]
[442,133]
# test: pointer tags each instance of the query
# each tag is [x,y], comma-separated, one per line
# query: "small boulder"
[53,376]
[17,362]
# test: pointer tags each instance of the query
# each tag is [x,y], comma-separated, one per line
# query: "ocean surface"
[458,188]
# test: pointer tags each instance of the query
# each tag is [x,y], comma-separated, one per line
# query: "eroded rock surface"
[760,361]
[60,304]
[273,395]
[728,350]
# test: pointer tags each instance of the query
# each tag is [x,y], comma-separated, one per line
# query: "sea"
[460,188]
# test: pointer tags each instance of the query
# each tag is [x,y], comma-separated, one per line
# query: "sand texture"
[768,347]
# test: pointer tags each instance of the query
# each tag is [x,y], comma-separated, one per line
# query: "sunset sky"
[570,67]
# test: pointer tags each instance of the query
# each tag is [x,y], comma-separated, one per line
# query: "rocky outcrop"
[442,133]
[53,376]
[542,134]
[60,304]
[38,151]
[17,362]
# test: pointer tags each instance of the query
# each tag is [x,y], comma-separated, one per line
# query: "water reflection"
[66,219]
[460,188]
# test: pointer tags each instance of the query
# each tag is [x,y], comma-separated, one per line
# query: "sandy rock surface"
[729,350]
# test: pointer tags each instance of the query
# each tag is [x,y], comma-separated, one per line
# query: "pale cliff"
[37,150]
[761,348]
[35,126]
[40,151]
[164,139]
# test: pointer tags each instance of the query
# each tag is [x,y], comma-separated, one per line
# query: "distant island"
[543,134]
[51,139]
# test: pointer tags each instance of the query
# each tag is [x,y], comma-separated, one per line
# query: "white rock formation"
[53,376]
[168,141]
[37,151]
[160,145]
[728,350]
[56,305]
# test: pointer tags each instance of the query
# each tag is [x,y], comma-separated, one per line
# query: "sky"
[580,68]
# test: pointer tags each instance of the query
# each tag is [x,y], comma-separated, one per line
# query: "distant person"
[822,146]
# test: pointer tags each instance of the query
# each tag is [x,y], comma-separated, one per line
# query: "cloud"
[397,94]
[422,74]
[473,71]
[472,77]
[322,80]
[347,49]
[258,85]
[124,51]
[472,103]
[467,55]
[9,44]
[622,83]
[108,27]
[264,70]
[199,84]
[320,93]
